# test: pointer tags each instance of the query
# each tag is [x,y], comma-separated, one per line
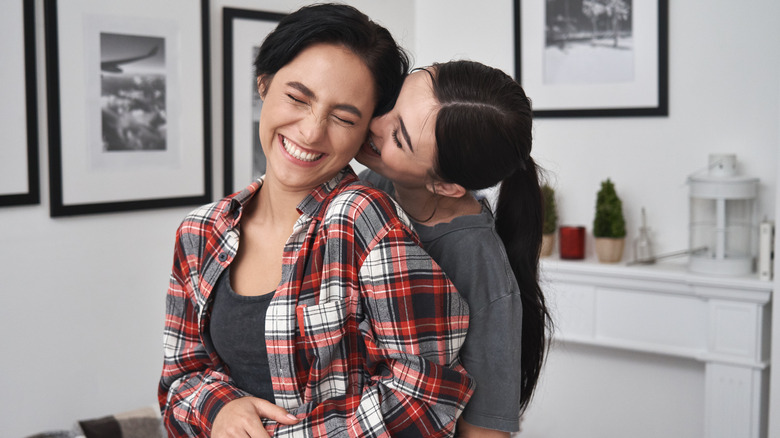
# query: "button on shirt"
[362,334]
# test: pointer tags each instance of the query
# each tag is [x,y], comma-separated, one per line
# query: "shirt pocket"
[322,329]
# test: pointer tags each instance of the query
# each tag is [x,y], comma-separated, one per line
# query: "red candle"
[572,240]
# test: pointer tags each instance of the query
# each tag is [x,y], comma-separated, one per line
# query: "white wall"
[84,297]
[723,70]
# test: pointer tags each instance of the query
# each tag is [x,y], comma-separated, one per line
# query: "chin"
[366,159]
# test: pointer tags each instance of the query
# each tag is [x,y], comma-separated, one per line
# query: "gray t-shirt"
[237,331]
[472,254]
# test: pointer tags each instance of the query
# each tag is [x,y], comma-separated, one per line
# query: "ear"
[262,86]
[451,190]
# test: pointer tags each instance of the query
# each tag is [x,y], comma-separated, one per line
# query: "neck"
[430,209]
[274,206]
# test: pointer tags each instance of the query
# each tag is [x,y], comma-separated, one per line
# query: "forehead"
[416,103]
[331,71]
[418,86]
[416,110]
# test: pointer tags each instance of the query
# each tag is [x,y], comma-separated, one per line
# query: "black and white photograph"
[19,183]
[588,41]
[128,102]
[243,32]
[132,96]
[593,58]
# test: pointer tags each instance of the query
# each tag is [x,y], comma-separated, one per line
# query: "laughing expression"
[316,111]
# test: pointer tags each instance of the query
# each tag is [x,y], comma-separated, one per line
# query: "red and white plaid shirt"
[362,334]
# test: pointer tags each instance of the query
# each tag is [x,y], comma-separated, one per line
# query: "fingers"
[266,409]
[242,418]
[239,419]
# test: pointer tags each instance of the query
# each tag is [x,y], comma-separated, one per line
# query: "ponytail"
[519,224]
[483,133]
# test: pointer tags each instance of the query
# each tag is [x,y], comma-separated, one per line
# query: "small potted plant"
[609,225]
[550,224]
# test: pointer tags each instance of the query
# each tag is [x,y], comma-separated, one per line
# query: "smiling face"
[316,111]
[402,143]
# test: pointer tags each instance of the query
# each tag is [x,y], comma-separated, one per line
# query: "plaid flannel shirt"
[362,334]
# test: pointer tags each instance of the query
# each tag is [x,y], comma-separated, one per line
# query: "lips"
[298,152]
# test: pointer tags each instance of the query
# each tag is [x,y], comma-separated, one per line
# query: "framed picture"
[593,58]
[128,98]
[244,31]
[19,183]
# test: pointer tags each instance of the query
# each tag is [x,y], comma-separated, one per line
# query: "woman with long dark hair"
[456,128]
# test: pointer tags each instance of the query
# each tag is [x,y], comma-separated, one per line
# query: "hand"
[242,417]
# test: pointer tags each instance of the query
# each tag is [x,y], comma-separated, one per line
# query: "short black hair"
[343,25]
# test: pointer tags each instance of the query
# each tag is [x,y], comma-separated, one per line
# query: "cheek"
[395,159]
[348,143]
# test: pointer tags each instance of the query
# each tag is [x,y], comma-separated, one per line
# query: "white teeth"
[373,147]
[297,152]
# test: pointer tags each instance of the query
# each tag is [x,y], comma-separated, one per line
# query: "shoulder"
[473,256]
[377,181]
[361,202]
[368,215]
[204,216]
[201,221]
[477,232]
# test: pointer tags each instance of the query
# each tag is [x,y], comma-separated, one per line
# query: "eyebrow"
[310,94]
[405,133]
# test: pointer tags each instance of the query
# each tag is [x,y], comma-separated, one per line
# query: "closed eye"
[294,99]
[395,139]
[344,121]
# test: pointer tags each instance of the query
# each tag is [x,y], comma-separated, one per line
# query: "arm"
[191,391]
[403,323]
[466,430]
[416,324]
[196,397]
[491,354]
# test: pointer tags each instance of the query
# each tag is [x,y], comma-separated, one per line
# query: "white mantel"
[722,322]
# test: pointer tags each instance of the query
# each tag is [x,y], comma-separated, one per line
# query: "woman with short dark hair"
[303,305]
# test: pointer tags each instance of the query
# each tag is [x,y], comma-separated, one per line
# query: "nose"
[312,128]
[377,125]
[377,122]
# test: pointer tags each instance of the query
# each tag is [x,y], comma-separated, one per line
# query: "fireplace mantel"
[723,322]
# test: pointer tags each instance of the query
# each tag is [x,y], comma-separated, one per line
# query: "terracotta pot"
[609,249]
[548,243]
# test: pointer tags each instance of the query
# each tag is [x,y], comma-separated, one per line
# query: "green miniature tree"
[550,210]
[609,221]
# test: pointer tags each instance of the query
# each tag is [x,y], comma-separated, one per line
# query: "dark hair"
[483,137]
[343,25]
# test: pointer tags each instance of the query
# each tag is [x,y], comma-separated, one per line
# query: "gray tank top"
[237,330]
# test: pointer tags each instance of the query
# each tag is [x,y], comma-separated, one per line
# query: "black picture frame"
[159,152]
[536,65]
[243,30]
[20,158]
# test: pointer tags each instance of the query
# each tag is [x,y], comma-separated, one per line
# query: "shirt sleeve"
[491,355]
[412,325]
[190,392]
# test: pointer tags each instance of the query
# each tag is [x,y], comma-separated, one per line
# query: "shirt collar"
[311,204]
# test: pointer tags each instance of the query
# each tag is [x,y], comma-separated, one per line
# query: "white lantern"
[722,219]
